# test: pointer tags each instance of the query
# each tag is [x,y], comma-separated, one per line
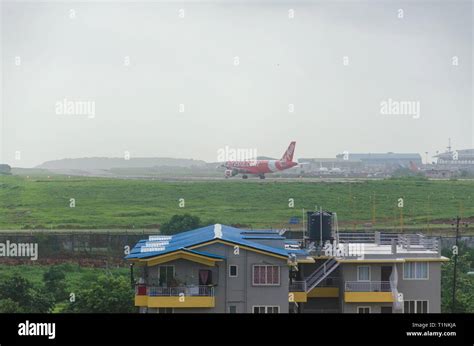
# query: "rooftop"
[161,244]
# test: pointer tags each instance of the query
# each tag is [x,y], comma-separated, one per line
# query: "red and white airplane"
[260,167]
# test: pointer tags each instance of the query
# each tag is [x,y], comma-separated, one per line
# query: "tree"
[464,295]
[180,223]
[8,306]
[106,295]
[54,282]
[21,295]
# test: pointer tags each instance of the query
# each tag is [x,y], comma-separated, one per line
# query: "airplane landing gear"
[262,176]
[244,176]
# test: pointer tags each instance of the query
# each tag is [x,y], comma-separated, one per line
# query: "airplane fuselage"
[259,166]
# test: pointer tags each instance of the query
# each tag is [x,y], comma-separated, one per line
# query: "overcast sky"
[246,75]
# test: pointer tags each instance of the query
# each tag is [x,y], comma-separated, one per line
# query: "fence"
[90,244]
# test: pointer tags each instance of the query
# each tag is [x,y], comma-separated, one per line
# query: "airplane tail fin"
[288,155]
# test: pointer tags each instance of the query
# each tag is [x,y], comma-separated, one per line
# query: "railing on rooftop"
[417,241]
[364,237]
[155,291]
[367,286]
[408,242]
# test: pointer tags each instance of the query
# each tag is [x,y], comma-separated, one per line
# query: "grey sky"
[190,61]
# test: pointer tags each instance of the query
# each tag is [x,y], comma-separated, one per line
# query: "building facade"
[222,269]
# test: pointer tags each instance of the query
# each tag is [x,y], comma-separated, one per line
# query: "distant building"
[333,166]
[387,159]
[5,169]
[457,157]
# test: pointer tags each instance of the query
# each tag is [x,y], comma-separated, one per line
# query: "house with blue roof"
[217,268]
[224,269]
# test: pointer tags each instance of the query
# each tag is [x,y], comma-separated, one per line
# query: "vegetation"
[18,294]
[27,203]
[64,288]
[107,294]
[180,223]
[464,297]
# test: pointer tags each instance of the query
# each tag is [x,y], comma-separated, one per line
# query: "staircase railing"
[321,273]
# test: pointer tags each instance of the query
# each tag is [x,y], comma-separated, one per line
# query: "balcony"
[328,288]
[368,292]
[175,297]
[297,292]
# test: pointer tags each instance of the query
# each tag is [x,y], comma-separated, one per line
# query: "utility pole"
[457,220]
[373,209]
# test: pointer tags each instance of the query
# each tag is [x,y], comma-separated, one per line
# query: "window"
[363,273]
[266,275]
[165,310]
[232,309]
[264,309]
[205,277]
[415,307]
[233,271]
[363,309]
[415,271]
[166,275]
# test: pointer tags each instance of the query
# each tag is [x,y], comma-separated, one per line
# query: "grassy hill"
[114,203]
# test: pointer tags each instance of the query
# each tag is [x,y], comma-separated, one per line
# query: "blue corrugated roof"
[160,245]
[263,237]
[204,253]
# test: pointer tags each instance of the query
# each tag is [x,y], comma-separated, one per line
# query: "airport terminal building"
[223,269]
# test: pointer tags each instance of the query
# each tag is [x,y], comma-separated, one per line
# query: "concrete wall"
[412,289]
[375,308]
[423,289]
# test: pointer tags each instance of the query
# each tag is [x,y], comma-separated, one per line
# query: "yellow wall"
[324,292]
[175,302]
[298,297]
[368,297]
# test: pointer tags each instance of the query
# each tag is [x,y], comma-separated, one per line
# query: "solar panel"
[156,243]
[159,237]
[152,249]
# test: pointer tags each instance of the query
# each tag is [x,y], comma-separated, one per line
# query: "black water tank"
[314,226]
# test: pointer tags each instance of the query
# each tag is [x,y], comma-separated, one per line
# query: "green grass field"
[39,202]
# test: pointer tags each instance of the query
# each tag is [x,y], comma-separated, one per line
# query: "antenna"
[449,144]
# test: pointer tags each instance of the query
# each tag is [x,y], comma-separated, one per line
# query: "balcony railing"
[191,291]
[367,286]
[298,286]
[155,291]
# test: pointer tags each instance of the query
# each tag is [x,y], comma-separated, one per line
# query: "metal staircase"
[321,273]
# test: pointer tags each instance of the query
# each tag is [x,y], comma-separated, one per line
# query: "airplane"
[260,167]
